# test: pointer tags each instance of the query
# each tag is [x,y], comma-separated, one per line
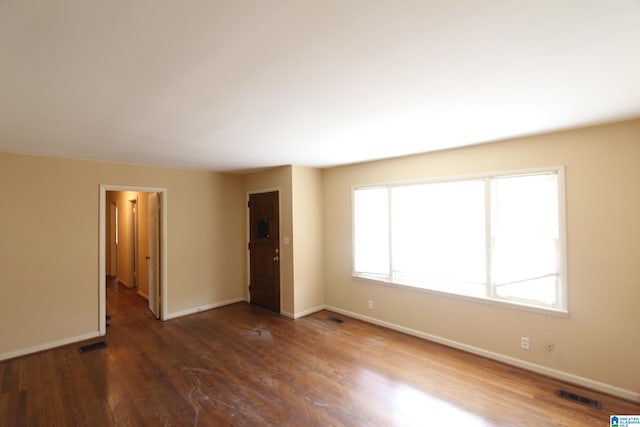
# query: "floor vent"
[335,319]
[579,399]
[90,347]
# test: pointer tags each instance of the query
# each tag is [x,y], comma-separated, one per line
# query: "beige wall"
[599,340]
[270,180]
[302,259]
[308,247]
[49,248]
[49,245]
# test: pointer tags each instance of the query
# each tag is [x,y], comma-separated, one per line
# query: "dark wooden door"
[264,258]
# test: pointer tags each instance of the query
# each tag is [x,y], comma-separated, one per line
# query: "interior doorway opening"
[133,248]
[128,249]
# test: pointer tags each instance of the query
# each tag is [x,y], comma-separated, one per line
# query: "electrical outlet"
[524,343]
[370,304]
[551,348]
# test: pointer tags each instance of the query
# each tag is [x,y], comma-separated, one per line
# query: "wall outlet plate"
[524,343]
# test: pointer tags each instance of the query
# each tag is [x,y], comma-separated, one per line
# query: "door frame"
[248,228]
[102,271]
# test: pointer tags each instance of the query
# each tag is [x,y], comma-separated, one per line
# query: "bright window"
[495,237]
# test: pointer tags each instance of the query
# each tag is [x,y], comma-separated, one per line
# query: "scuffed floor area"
[241,365]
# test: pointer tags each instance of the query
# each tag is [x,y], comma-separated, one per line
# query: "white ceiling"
[236,85]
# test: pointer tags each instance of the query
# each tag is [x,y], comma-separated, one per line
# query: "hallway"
[125,305]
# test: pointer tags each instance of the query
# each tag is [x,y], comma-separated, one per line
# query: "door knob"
[276,258]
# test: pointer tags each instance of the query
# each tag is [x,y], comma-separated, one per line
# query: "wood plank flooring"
[241,365]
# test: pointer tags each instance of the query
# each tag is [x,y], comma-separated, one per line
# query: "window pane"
[525,233]
[526,206]
[523,258]
[439,233]
[371,232]
[434,236]
[542,290]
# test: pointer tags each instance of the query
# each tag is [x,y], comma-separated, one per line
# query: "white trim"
[539,369]
[47,346]
[465,177]
[490,301]
[308,311]
[287,314]
[562,239]
[164,250]
[164,257]
[201,308]
[102,262]
[142,295]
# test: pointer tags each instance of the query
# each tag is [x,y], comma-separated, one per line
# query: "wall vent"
[335,319]
[579,399]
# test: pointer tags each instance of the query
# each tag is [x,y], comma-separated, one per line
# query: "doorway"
[144,222]
[264,250]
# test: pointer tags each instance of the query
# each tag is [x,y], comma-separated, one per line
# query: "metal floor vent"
[90,347]
[335,319]
[579,399]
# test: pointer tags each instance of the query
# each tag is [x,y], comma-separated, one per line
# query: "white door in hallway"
[113,238]
[153,257]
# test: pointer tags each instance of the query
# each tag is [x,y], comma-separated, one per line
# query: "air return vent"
[335,319]
[579,399]
[90,347]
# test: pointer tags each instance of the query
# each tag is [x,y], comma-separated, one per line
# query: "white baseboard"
[194,310]
[47,346]
[309,311]
[543,370]
[143,295]
[287,314]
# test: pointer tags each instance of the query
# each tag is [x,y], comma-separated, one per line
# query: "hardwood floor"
[241,365]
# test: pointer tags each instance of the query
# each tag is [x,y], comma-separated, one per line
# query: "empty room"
[326,213]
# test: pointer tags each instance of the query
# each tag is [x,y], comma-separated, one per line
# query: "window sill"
[495,302]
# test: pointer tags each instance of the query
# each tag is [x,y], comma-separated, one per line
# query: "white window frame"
[561,308]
